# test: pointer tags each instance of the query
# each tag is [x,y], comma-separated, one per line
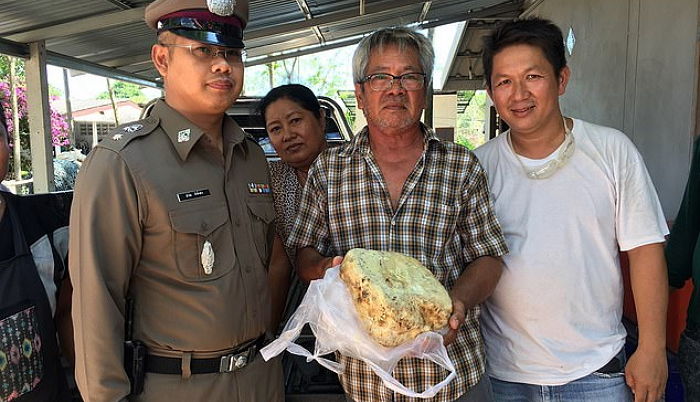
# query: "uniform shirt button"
[204,226]
[248,270]
[237,222]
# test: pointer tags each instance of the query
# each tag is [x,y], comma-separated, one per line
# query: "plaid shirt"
[444,218]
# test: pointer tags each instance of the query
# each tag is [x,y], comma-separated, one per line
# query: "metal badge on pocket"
[208,258]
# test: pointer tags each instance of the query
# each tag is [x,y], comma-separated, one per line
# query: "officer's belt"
[235,360]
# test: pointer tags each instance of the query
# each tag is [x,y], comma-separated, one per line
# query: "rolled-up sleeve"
[105,245]
[478,226]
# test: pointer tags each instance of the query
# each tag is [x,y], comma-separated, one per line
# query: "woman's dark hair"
[296,93]
[3,118]
[537,32]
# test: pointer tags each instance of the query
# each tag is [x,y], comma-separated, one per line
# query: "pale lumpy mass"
[396,297]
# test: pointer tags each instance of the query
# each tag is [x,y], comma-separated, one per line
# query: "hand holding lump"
[395,296]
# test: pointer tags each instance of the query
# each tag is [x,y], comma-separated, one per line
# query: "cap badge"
[221,7]
[183,135]
[117,137]
[207,258]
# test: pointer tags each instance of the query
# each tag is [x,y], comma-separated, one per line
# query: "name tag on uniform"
[191,195]
[258,188]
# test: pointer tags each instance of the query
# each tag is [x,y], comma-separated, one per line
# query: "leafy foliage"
[60,132]
[472,123]
[325,73]
[125,90]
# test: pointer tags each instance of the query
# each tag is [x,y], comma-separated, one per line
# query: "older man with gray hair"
[397,187]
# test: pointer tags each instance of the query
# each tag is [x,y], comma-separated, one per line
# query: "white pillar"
[39,118]
[95,137]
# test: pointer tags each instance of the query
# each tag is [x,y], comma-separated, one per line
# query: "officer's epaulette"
[120,136]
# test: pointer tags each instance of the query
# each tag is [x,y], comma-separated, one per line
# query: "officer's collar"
[184,134]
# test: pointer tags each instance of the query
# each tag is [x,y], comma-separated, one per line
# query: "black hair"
[3,119]
[533,31]
[296,93]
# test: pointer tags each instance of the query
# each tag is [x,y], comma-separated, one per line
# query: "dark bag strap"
[21,246]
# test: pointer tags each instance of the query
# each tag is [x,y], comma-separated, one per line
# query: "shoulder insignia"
[120,136]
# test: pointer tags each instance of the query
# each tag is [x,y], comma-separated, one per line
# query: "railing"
[19,186]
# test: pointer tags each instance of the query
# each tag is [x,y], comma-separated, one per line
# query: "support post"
[95,137]
[429,95]
[429,99]
[69,106]
[16,143]
[39,118]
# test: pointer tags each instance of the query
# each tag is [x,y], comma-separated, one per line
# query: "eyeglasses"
[384,81]
[207,53]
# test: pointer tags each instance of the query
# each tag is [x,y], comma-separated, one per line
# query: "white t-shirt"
[556,313]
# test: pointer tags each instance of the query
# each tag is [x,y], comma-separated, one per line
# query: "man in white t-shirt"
[569,196]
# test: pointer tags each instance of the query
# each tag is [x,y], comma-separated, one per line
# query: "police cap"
[216,22]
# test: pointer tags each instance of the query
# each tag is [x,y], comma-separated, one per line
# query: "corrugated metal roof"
[265,13]
[111,33]
[22,15]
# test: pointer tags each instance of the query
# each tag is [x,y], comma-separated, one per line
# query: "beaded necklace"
[547,169]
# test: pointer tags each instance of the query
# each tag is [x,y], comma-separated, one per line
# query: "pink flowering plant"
[60,133]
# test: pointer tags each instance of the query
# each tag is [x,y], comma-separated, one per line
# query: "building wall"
[126,114]
[445,111]
[635,67]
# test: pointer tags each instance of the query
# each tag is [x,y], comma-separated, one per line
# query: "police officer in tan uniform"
[175,213]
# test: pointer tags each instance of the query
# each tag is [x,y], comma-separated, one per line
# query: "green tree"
[325,73]
[471,123]
[5,67]
[5,73]
[125,90]
[325,78]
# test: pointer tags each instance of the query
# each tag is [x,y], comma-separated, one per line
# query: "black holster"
[134,353]
[135,365]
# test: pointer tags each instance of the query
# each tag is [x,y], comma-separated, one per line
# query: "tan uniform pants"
[259,381]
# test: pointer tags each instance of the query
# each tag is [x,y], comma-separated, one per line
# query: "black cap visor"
[212,33]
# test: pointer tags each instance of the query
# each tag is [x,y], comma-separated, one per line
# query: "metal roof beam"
[488,8]
[126,61]
[82,25]
[302,52]
[464,83]
[22,50]
[14,49]
[124,5]
[503,12]
[97,69]
[424,12]
[304,7]
[485,8]
[331,18]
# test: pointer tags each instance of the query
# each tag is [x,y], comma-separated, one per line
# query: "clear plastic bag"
[329,311]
